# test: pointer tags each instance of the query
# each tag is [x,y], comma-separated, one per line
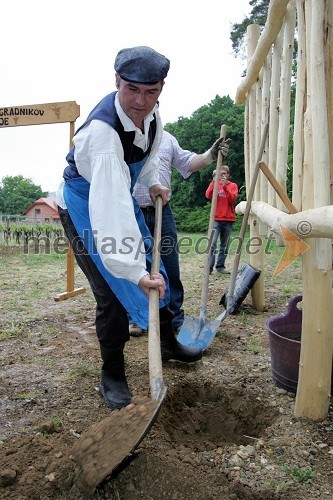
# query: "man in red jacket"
[224,217]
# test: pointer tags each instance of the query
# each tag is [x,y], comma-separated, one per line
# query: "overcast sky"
[65,51]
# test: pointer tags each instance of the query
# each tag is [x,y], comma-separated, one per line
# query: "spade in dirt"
[106,444]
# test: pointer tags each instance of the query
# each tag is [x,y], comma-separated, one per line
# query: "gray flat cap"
[141,65]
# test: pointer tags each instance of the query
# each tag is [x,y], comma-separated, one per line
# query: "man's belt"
[150,208]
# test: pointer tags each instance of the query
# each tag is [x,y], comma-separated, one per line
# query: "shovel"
[106,444]
[200,332]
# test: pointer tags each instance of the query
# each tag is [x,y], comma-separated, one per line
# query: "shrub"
[196,220]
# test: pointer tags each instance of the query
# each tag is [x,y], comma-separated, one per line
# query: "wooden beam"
[67,295]
[274,105]
[314,380]
[277,187]
[284,106]
[300,106]
[312,223]
[276,12]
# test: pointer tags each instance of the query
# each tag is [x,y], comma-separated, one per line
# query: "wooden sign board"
[39,114]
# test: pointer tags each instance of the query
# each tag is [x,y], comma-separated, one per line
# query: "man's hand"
[155,281]
[158,189]
[220,145]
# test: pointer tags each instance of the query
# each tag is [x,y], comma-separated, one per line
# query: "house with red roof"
[43,209]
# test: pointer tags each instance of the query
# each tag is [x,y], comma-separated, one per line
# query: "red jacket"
[225,200]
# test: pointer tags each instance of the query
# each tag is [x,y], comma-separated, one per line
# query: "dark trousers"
[111,316]
[223,229]
[170,258]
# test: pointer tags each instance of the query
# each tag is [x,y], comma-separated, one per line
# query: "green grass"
[10,331]
[254,344]
[26,395]
[194,244]
[30,283]
[84,369]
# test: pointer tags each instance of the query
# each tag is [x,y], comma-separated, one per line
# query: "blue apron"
[76,195]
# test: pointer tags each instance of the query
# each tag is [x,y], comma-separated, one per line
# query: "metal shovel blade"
[196,333]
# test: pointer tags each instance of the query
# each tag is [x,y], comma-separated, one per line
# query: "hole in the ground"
[210,416]
[176,459]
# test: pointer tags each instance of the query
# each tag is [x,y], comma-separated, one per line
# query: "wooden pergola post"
[70,290]
[314,384]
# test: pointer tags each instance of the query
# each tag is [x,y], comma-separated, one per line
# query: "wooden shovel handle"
[154,346]
[278,188]
[205,278]
[231,289]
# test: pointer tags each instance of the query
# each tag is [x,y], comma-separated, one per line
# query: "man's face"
[137,100]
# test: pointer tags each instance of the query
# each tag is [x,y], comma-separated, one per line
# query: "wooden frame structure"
[266,91]
[42,114]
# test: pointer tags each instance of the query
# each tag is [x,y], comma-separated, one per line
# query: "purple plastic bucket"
[285,345]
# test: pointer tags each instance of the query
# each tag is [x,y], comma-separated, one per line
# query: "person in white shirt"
[186,162]
[115,147]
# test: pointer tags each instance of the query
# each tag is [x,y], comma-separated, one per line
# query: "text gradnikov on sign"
[5,112]
[37,114]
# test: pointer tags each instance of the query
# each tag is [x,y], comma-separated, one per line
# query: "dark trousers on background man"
[223,230]
[170,258]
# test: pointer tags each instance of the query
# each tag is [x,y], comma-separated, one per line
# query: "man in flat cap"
[115,147]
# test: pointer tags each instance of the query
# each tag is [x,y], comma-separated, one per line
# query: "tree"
[17,194]
[197,134]
[258,16]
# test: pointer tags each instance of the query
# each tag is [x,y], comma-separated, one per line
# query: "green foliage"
[258,16]
[17,194]
[196,220]
[303,475]
[197,134]
[192,220]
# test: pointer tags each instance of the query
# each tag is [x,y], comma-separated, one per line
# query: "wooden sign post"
[43,114]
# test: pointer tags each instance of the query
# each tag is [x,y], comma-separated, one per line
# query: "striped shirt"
[170,154]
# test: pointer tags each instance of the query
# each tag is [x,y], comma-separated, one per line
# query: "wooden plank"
[39,114]
[66,295]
